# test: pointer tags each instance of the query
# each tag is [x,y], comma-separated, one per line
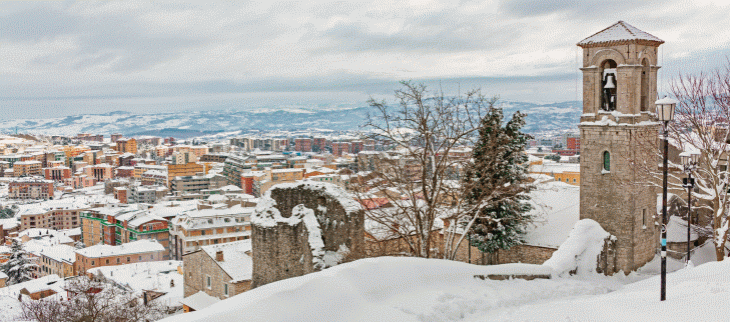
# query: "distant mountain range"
[186,124]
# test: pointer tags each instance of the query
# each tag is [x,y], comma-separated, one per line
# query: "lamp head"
[665,109]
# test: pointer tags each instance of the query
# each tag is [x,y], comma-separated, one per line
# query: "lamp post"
[665,114]
[690,160]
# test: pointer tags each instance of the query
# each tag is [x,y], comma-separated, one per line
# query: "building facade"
[221,271]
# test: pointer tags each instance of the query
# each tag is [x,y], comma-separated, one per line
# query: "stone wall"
[282,244]
[517,254]
[525,254]
[616,199]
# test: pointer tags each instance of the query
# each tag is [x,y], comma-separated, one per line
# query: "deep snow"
[416,289]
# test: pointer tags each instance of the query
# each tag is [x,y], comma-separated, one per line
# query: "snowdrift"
[416,289]
[580,251]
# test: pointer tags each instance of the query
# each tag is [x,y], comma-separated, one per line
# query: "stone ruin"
[300,228]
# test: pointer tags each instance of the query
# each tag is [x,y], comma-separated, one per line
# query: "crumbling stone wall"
[300,228]
[607,260]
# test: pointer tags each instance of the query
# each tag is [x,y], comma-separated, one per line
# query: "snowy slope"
[551,117]
[414,289]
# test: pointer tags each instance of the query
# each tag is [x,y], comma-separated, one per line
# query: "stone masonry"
[614,197]
[300,228]
[198,266]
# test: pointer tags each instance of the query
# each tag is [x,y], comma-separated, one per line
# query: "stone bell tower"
[618,123]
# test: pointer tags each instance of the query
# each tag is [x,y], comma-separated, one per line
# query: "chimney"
[219,256]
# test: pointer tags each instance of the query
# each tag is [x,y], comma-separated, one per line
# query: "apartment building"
[52,214]
[303,145]
[234,166]
[99,172]
[214,157]
[57,259]
[154,177]
[27,188]
[107,255]
[140,168]
[187,169]
[145,193]
[27,168]
[94,222]
[193,229]
[125,145]
[57,174]
[338,148]
[197,183]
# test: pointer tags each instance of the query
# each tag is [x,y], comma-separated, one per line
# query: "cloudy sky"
[62,58]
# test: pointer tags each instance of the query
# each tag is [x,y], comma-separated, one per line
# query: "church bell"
[609,82]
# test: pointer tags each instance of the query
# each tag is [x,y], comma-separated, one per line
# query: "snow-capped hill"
[184,124]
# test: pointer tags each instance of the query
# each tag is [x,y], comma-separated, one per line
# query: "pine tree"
[499,161]
[18,267]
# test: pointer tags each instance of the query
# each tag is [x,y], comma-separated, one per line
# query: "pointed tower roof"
[620,33]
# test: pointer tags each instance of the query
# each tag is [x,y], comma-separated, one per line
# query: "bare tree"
[700,125]
[91,300]
[419,175]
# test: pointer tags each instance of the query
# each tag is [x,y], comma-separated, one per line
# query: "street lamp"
[665,114]
[690,160]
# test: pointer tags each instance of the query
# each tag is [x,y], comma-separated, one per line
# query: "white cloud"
[307,44]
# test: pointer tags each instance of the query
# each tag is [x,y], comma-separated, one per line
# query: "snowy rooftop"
[136,247]
[557,208]
[60,253]
[619,32]
[45,206]
[236,263]
[199,301]
[207,218]
[677,230]
[554,167]
[148,276]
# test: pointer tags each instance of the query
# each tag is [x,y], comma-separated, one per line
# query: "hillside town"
[171,182]
[85,204]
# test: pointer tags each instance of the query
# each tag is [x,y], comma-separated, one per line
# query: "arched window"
[606,161]
[645,71]
[608,85]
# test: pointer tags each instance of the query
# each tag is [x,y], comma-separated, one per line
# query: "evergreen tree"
[18,267]
[499,161]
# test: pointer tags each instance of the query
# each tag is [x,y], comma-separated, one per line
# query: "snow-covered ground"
[415,289]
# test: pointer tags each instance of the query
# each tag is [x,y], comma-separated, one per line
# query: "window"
[92,262]
[118,260]
[207,281]
[225,289]
[573,180]
[128,259]
[606,161]
[643,218]
[107,261]
[140,257]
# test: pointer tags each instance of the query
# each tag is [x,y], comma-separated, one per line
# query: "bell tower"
[618,123]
